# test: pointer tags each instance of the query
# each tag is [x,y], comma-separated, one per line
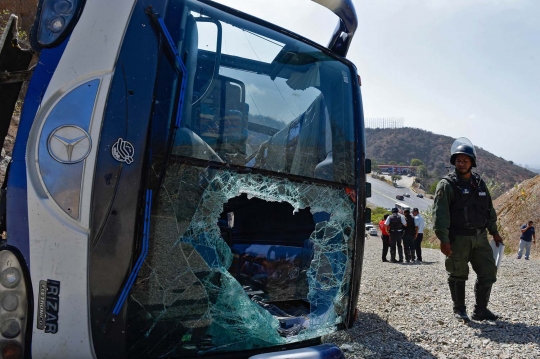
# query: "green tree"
[396,178]
[416,162]
[392,163]
[432,188]
[428,218]
[378,213]
[422,171]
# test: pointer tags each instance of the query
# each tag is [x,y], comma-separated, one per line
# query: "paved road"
[384,194]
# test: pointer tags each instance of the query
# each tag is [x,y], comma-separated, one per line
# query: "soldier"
[463,210]
[394,225]
[408,236]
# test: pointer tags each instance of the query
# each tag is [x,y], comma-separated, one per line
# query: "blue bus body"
[187,181]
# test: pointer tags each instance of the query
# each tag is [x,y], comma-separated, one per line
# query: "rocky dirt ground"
[406,312]
[516,207]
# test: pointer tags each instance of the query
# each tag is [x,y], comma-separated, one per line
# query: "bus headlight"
[13,305]
[10,277]
[10,302]
[57,24]
[55,16]
[10,328]
[12,351]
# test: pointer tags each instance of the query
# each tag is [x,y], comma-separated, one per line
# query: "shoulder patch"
[440,193]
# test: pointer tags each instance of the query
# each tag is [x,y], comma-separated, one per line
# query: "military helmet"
[462,146]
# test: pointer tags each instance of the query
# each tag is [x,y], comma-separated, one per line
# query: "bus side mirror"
[367,165]
[368,189]
[367,215]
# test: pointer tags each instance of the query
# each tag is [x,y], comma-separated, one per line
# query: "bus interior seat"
[304,147]
[188,143]
[221,119]
[310,147]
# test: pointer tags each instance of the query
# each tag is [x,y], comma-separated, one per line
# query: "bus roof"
[400,205]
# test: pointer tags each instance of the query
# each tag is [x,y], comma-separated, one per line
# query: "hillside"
[517,206]
[404,144]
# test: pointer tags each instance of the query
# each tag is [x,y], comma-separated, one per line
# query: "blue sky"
[455,67]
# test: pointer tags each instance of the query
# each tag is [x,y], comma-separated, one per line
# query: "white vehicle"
[373,231]
[401,207]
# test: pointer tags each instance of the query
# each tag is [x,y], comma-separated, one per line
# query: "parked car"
[409,175]
[373,231]
[420,195]
[406,195]
[400,197]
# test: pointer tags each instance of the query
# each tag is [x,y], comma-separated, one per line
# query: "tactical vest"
[395,223]
[410,229]
[470,208]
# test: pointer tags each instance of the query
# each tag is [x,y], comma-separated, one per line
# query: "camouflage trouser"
[477,251]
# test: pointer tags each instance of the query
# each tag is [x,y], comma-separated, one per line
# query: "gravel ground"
[406,312]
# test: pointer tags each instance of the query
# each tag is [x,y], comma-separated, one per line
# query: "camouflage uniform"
[466,245]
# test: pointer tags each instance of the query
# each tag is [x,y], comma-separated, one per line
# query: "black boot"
[457,290]
[481,312]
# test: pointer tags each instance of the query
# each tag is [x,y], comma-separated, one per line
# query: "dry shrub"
[25,11]
[516,207]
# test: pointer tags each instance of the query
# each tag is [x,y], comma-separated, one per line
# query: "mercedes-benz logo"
[69,144]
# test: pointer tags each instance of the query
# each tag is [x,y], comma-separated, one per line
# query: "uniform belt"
[397,230]
[467,232]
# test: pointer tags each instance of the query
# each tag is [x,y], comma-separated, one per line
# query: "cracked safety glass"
[240,261]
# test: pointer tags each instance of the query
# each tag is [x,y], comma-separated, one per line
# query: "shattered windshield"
[241,260]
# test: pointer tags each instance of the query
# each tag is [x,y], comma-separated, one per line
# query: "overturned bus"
[187,181]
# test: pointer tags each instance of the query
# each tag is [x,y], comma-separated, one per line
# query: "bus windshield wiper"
[181,68]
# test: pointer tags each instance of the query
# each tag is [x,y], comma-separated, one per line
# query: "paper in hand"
[497,252]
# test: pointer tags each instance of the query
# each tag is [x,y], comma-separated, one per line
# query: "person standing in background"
[394,226]
[528,236]
[385,236]
[419,224]
[408,236]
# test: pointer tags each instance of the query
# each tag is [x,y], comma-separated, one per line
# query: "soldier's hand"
[446,249]
[498,239]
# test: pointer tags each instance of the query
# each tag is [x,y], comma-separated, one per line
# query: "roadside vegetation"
[25,12]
